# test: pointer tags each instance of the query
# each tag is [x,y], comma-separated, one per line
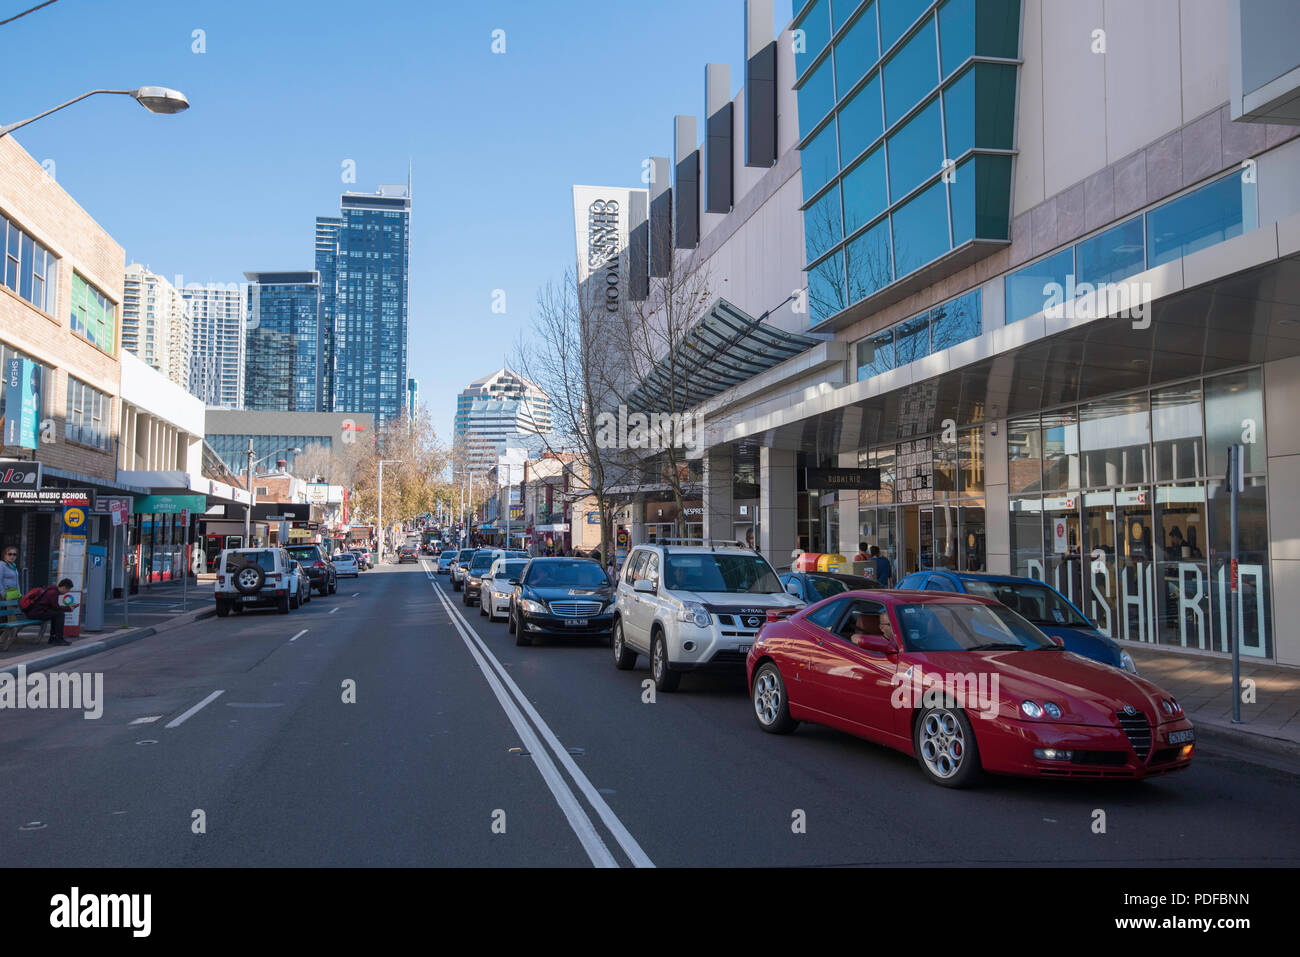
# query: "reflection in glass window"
[817,161]
[856,52]
[1026,290]
[864,191]
[1234,414]
[1253,596]
[956,33]
[859,120]
[817,95]
[910,74]
[821,223]
[1210,215]
[1181,579]
[981,198]
[971,461]
[915,152]
[912,339]
[868,262]
[955,321]
[1027,537]
[1024,455]
[826,288]
[921,229]
[896,16]
[1115,438]
[816,26]
[959,114]
[1176,429]
[875,355]
[1114,255]
[841,10]
[1061,450]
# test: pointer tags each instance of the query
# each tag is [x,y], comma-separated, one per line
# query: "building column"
[636,520]
[847,502]
[719,483]
[997,504]
[777,508]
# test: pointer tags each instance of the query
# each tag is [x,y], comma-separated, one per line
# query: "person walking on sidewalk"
[44,604]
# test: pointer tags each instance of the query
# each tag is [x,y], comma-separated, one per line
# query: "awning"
[723,349]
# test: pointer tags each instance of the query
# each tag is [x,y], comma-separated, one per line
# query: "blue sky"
[288,90]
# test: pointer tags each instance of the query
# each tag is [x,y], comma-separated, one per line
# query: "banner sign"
[866,479]
[44,497]
[169,504]
[16,474]
[22,418]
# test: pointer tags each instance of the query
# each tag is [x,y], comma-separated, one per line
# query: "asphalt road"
[463,749]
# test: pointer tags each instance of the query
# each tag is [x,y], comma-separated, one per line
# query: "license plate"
[250,598]
[1181,737]
[744,649]
[575,623]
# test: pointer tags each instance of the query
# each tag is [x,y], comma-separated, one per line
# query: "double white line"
[515,705]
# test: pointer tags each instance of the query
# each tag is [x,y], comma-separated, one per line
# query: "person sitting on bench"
[46,606]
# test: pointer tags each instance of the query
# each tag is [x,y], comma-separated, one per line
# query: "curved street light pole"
[155,99]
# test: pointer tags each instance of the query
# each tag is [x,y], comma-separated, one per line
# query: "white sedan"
[346,565]
[494,598]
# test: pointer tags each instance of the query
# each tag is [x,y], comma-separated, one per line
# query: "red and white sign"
[1060,537]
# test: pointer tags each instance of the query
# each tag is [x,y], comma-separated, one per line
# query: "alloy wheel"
[767,697]
[943,745]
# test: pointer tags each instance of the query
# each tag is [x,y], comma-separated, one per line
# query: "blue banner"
[22,419]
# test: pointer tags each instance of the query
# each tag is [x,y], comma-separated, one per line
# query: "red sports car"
[966,685]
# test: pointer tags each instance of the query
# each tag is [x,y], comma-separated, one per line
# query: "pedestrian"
[45,604]
[884,568]
[861,556]
[10,580]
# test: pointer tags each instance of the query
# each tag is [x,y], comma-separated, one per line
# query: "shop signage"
[593,518]
[22,403]
[516,513]
[169,504]
[25,475]
[1060,543]
[816,479]
[44,497]
[318,493]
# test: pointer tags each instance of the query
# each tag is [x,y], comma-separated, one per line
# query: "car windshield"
[345,557]
[956,626]
[465,553]
[1037,603]
[510,570]
[824,587]
[715,572]
[577,573]
[483,562]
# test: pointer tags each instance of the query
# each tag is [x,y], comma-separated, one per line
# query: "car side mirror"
[644,585]
[513,581]
[1057,640]
[877,643]
[792,588]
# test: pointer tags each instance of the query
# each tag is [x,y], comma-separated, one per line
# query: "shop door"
[909,544]
[1063,533]
[1099,558]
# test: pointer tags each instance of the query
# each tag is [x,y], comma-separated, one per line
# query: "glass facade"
[283,362]
[897,121]
[954,322]
[233,449]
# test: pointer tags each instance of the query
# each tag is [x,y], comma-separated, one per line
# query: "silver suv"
[693,607]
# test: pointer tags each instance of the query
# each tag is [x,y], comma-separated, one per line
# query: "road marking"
[300,634]
[356,594]
[334,609]
[149,720]
[195,710]
[501,677]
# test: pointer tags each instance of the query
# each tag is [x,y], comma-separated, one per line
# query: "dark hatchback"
[319,569]
[562,597]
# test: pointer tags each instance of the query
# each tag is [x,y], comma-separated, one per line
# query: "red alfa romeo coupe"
[965,685]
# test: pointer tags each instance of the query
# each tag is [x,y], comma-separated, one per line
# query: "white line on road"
[300,634]
[356,594]
[147,720]
[195,710]
[625,839]
[334,609]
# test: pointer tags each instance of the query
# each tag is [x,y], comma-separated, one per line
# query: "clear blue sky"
[287,90]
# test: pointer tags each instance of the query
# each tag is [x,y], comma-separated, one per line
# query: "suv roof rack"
[712,543]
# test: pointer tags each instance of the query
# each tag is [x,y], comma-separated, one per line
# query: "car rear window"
[265,560]
[305,554]
[465,553]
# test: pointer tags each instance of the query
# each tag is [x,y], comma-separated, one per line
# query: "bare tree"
[416,482]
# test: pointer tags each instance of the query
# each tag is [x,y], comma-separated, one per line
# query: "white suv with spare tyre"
[693,608]
[253,577]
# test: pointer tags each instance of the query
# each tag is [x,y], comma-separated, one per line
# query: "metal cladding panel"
[760,85]
[686,188]
[638,244]
[661,216]
[718,158]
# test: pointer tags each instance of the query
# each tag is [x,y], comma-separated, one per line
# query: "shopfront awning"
[185,483]
[726,347]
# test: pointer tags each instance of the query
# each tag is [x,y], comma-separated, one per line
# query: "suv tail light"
[273,577]
[221,579]
[776,614]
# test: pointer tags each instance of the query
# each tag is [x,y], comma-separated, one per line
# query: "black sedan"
[562,597]
[407,553]
[812,587]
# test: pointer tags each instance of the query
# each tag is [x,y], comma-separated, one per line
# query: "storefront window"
[945,468]
[1115,438]
[884,460]
[1134,565]
[1253,596]
[1097,560]
[1234,413]
[1176,429]
[1181,595]
[970,461]
[1024,455]
[1061,450]
[1027,537]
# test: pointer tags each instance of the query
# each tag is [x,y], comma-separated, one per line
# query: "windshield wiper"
[998,646]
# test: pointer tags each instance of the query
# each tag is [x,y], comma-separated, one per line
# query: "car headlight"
[534,607]
[695,612]
[1053,710]
[1030,709]
[1126,662]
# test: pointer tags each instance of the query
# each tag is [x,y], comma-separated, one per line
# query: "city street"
[462,749]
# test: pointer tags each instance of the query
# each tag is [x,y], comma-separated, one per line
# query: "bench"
[13,620]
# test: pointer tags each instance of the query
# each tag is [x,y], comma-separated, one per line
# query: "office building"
[157,325]
[228,433]
[218,344]
[283,361]
[498,410]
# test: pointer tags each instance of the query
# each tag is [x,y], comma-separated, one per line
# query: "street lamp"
[155,99]
[383,536]
[252,491]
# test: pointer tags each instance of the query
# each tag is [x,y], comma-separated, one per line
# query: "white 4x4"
[249,577]
[693,607]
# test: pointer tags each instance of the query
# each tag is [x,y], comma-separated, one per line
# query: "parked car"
[302,586]
[692,608]
[1011,700]
[479,566]
[319,569]
[445,558]
[459,566]
[1044,606]
[346,565]
[497,589]
[254,577]
[563,597]
[811,587]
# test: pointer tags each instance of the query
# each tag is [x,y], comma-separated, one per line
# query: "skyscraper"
[218,354]
[283,363]
[365,306]
[499,410]
[156,324]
